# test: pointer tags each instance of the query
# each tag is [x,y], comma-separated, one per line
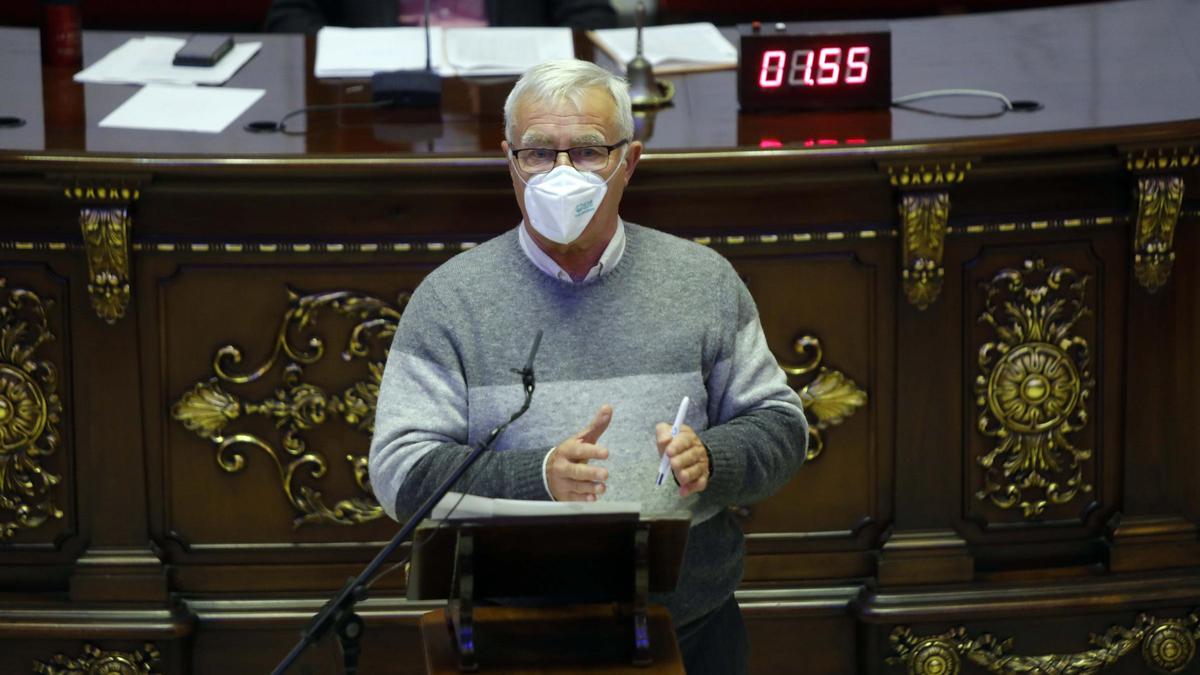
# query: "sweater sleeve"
[421,421]
[758,434]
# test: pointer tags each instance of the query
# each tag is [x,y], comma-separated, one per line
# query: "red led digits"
[810,67]
[856,64]
[771,74]
[831,65]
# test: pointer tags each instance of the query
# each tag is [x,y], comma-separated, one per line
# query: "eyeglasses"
[584,157]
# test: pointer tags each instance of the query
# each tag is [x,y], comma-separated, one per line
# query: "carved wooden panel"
[269,382]
[36,481]
[1035,447]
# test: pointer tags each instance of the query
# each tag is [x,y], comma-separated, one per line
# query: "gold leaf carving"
[96,661]
[106,239]
[1159,201]
[830,397]
[924,216]
[30,410]
[297,406]
[1168,646]
[1033,388]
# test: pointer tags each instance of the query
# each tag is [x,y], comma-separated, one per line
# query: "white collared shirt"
[608,260]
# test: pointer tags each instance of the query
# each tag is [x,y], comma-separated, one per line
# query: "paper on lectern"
[148,60]
[472,506]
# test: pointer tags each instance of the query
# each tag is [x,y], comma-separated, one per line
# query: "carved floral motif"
[210,408]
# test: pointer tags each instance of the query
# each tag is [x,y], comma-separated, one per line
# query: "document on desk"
[147,60]
[484,507]
[673,48]
[463,52]
[166,107]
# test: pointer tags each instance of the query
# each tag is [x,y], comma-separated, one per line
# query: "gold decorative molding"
[96,661]
[106,239]
[29,413]
[925,175]
[1159,201]
[1161,159]
[208,409]
[924,216]
[830,397]
[104,222]
[1033,388]
[1168,646]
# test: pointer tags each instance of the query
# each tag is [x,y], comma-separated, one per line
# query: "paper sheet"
[147,60]
[505,51]
[175,108]
[361,52]
[672,47]
[483,507]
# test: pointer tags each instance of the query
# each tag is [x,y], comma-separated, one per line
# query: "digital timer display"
[784,68]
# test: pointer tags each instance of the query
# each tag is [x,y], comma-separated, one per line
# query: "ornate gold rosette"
[1033,388]
[29,413]
[209,408]
[96,661]
[1168,646]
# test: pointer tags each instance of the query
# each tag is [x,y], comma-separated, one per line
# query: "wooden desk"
[162,289]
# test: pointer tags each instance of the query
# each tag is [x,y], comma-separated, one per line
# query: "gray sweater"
[672,319]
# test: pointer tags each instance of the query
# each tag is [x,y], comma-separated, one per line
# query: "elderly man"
[634,321]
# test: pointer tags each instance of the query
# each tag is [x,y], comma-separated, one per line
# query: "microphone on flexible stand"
[410,88]
[338,613]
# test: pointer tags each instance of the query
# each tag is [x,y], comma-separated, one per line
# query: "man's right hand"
[568,474]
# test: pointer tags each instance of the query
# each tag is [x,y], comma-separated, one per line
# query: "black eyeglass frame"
[558,151]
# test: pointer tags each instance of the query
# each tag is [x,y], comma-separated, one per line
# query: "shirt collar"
[608,259]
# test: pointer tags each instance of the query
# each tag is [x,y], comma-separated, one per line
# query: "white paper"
[147,60]
[698,44]
[505,51]
[361,52]
[484,507]
[174,108]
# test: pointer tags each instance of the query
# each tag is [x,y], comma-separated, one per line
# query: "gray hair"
[567,80]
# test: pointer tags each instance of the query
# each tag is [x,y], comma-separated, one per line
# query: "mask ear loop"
[624,150]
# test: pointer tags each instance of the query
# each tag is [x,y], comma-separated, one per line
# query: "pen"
[665,464]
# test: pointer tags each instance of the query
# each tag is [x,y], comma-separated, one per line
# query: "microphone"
[410,88]
[338,613]
[526,373]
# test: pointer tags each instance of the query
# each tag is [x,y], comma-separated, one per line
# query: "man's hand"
[568,474]
[689,457]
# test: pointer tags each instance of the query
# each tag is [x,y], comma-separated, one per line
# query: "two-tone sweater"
[673,319]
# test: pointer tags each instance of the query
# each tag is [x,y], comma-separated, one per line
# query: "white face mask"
[561,202]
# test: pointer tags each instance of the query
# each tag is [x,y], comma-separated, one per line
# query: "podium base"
[551,640]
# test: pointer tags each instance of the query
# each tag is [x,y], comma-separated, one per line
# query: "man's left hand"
[689,457]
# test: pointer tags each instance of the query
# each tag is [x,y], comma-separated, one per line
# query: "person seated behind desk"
[309,16]
[634,319]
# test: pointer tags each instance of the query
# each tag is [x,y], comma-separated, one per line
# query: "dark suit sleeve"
[586,14]
[300,16]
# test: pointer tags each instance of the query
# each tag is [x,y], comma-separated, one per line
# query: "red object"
[62,36]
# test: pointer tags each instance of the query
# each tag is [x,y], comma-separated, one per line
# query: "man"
[634,320]
[309,16]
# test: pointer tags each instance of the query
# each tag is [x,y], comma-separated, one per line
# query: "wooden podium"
[549,594]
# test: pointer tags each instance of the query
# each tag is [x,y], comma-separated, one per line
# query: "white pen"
[665,465]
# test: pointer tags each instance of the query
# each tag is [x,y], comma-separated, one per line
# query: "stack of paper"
[457,506]
[361,52]
[671,48]
[147,60]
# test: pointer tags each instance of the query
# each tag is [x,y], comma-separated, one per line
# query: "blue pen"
[665,464]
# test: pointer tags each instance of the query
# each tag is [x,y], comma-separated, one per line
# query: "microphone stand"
[338,612]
